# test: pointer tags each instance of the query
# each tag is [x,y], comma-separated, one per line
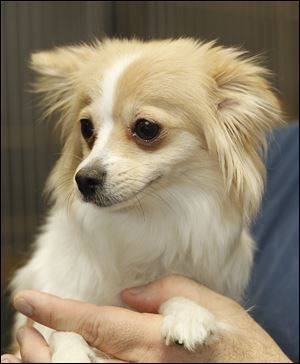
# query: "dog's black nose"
[88,180]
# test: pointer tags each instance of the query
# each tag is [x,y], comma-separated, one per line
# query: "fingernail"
[5,361]
[23,306]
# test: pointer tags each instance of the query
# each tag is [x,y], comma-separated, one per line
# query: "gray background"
[29,147]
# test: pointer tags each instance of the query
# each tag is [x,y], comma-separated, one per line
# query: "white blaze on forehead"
[108,87]
[106,102]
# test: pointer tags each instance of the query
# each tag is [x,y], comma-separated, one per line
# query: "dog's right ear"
[58,77]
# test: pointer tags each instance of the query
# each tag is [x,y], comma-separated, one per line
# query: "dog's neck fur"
[183,229]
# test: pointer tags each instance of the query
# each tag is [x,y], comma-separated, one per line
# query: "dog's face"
[135,131]
[138,116]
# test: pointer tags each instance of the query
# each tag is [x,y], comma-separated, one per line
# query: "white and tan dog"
[161,172]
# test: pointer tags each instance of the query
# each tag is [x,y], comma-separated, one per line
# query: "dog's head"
[138,115]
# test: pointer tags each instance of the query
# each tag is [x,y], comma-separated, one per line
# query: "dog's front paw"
[69,347]
[187,323]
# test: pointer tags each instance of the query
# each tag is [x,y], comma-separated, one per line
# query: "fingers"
[8,358]
[33,347]
[49,310]
[148,298]
[114,330]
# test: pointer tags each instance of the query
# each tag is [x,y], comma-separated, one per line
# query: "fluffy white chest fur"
[91,254]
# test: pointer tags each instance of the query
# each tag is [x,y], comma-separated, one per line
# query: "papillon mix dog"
[161,172]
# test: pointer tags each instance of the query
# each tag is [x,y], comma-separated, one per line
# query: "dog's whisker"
[69,155]
[161,199]
[140,207]
[69,200]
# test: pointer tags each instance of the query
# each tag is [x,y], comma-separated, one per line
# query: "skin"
[131,336]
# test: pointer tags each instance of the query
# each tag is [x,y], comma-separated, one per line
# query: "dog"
[161,172]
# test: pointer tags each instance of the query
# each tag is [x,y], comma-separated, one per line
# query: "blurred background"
[29,147]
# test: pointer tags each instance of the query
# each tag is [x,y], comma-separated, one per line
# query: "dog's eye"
[146,130]
[87,128]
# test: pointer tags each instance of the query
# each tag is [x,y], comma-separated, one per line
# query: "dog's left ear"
[245,110]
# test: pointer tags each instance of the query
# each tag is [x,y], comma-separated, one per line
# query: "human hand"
[135,337]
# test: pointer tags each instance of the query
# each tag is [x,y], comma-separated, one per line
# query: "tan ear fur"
[59,77]
[245,110]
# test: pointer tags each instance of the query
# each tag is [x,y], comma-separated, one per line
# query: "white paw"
[69,347]
[187,323]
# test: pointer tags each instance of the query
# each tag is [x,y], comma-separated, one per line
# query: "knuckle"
[171,280]
[168,279]
[90,329]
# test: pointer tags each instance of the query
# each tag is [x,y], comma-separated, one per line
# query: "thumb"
[148,298]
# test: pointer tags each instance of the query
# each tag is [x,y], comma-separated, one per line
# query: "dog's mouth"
[103,198]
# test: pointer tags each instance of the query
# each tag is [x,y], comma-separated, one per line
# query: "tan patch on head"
[156,80]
